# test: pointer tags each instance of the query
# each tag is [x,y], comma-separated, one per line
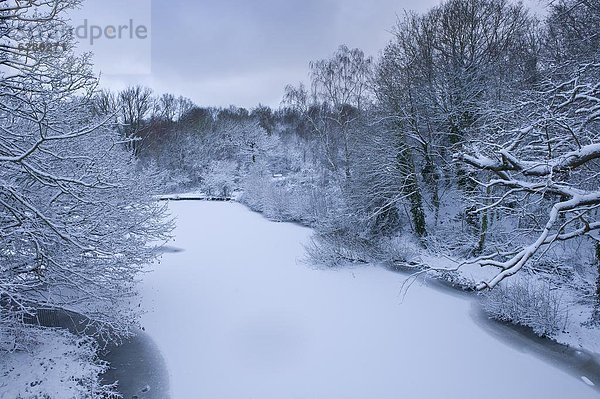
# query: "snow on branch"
[510,163]
[550,168]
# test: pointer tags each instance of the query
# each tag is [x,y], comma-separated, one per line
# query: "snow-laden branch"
[517,262]
[553,163]
[510,163]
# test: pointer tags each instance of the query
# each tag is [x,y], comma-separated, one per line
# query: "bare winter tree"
[166,107]
[134,105]
[183,106]
[105,103]
[382,190]
[339,91]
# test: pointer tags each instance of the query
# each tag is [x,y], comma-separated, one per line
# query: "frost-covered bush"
[220,179]
[398,249]
[255,187]
[337,250]
[532,305]
[342,236]
[278,206]
[56,364]
[296,196]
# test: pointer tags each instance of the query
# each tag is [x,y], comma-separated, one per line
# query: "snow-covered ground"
[237,316]
[57,365]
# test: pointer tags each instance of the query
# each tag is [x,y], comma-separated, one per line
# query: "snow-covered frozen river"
[236,316]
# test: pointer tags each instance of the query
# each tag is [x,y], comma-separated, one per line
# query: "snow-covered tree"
[220,178]
[545,164]
[76,219]
[433,82]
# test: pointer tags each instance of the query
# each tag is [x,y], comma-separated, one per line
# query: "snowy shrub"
[337,249]
[256,189]
[56,364]
[11,333]
[174,181]
[220,179]
[401,249]
[277,206]
[296,197]
[527,304]
[311,203]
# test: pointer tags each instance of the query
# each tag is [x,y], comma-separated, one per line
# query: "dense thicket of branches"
[76,215]
[545,156]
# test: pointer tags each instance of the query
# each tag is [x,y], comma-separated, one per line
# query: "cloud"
[245,52]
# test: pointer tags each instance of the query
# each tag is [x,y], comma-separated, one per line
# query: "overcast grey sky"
[242,52]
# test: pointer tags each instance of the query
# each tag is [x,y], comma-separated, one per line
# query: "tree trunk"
[416,207]
[485,224]
[412,190]
[598,266]
[596,313]
[432,177]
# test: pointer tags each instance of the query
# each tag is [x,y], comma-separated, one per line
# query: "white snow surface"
[57,366]
[237,316]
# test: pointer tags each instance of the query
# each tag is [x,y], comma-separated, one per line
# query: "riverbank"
[69,350]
